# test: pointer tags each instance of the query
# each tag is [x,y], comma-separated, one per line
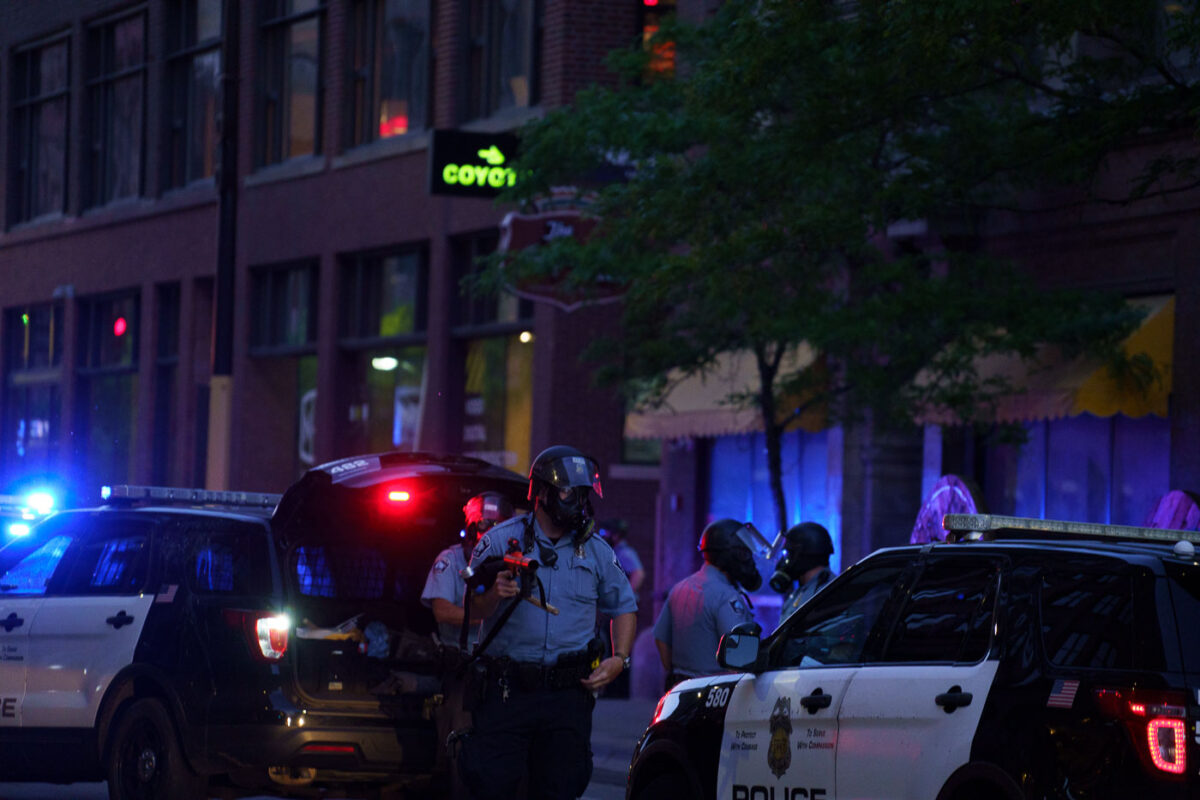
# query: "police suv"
[176,642]
[1023,658]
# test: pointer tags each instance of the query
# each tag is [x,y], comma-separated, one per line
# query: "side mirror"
[739,651]
[751,628]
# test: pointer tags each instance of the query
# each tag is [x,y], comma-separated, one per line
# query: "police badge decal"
[779,751]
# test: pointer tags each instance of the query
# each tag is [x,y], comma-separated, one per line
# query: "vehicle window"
[31,574]
[1088,617]
[1184,580]
[231,563]
[116,564]
[349,573]
[835,626]
[948,613]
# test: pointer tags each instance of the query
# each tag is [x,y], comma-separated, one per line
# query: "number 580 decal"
[718,696]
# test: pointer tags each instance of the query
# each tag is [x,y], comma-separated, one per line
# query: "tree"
[756,184]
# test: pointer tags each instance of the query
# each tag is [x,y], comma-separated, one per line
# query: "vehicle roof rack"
[129,493]
[989,527]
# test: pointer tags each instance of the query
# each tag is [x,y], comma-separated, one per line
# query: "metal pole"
[220,408]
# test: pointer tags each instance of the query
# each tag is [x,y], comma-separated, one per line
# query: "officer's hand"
[505,585]
[604,674]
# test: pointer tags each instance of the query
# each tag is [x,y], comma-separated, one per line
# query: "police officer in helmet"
[707,604]
[804,566]
[537,670]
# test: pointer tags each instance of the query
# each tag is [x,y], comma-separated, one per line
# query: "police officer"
[537,669]
[443,593]
[805,560]
[614,531]
[707,604]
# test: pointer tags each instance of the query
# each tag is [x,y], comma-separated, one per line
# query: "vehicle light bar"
[986,527]
[175,494]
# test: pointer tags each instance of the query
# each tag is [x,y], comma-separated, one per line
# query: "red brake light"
[1156,721]
[399,496]
[266,632]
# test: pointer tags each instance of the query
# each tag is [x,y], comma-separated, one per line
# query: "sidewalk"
[617,725]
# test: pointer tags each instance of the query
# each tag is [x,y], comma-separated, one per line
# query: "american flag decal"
[1063,694]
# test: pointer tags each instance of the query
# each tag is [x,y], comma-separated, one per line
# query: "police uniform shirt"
[801,594]
[700,609]
[627,557]
[444,582]
[580,584]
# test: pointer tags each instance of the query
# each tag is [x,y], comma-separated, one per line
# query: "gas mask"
[742,569]
[791,568]
[572,513]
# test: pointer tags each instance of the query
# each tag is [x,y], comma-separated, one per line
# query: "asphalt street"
[616,726]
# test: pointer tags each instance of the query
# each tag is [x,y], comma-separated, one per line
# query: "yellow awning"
[1058,388]
[697,405]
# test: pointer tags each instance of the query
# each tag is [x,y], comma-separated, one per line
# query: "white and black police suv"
[1021,659]
[181,643]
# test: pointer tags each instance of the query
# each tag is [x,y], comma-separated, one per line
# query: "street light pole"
[220,406]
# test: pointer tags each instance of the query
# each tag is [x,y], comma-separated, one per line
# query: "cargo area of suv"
[357,538]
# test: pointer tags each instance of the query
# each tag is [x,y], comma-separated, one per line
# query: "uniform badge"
[779,751]
[441,566]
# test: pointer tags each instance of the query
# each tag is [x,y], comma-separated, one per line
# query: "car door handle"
[12,621]
[119,620]
[816,701]
[953,699]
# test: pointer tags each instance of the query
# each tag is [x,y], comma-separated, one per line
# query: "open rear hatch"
[360,535]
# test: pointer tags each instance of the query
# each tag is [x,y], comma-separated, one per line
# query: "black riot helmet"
[806,545]
[482,512]
[731,547]
[559,481]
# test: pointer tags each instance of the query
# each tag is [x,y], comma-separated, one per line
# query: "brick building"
[348,331]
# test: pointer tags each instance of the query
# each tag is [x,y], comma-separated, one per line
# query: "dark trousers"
[543,735]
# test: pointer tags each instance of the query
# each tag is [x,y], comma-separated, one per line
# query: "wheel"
[665,786]
[145,761]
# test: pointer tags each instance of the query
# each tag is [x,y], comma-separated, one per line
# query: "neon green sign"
[471,164]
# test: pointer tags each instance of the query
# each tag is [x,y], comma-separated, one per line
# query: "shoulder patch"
[441,566]
[482,546]
[737,605]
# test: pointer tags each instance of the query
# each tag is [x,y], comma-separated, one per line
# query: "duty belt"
[531,675]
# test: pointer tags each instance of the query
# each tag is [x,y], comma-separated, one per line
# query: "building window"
[193,76]
[497,337]
[503,55]
[389,68]
[477,310]
[39,131]
[32,427]
[166,367]
[284,303]
[108,386]
[382,296]
[289,105]
[383,333]
[116,100]
[662,54]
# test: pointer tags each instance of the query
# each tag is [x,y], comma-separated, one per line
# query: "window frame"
[184,49]
[364,27]
[482,51]
[88,359]
[262,308]
[100,78]
[353,289]
[274,24]
[22,155]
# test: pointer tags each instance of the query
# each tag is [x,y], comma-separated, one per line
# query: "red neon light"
[120,326]
[1170,755]
[393,126]
[1138,708]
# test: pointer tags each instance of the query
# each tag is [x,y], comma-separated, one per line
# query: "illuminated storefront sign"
[471,164]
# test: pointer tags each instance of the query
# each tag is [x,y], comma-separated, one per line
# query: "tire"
[145,761]
[665,786]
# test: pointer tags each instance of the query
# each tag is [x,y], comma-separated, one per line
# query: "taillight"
[266,632]
[1156,720]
